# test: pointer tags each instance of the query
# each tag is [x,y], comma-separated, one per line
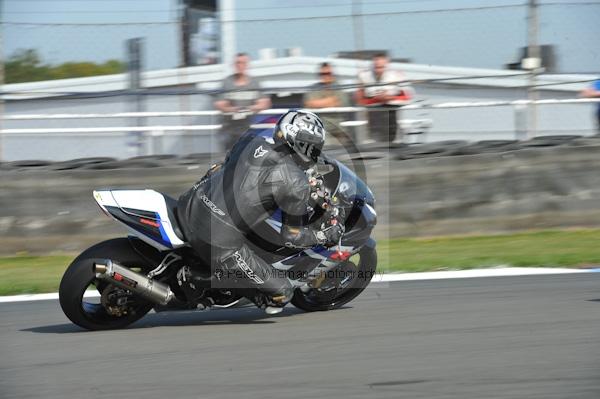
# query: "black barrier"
[78,163]
[370,152]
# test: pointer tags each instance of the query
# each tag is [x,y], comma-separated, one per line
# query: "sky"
[488,35]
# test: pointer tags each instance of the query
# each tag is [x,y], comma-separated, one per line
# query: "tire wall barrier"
[45,208]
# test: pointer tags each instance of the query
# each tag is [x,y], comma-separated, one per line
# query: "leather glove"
[340,214]
[331,235]
[333,215]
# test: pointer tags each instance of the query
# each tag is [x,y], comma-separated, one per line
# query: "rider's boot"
[272,303]
[278,301]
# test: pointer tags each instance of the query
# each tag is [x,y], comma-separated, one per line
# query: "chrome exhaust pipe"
[123,277]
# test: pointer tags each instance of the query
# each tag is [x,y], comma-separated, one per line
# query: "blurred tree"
[27,66]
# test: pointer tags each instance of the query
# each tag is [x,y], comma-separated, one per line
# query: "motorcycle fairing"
[144,212]
[319,253]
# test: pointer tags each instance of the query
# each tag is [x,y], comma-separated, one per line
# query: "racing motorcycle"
[116,282]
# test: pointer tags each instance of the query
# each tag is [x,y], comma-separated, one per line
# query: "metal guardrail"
[275,111]
[412,127]
[117,129]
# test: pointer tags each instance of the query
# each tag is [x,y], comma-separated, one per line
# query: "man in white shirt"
[383,92]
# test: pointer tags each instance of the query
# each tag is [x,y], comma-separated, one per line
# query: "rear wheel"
[116,307]
[345,283]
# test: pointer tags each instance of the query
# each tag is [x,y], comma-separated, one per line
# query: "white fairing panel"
[144,200]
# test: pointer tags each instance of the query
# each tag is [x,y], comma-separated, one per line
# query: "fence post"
[520,119]
[156,142]
[361,132]
[134,70]
[533,64]
[1,95]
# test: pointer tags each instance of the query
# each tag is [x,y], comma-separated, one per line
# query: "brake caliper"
[116,301]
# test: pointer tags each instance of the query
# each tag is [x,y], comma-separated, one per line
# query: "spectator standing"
[241,98]
[594,92]
[382,91]
[324,95]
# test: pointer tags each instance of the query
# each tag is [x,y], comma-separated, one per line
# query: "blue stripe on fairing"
[321,250]
[163,233]
[277,215]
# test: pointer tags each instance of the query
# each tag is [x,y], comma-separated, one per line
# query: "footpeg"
[280,299]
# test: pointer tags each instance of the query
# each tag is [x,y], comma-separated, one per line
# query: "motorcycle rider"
[258,177]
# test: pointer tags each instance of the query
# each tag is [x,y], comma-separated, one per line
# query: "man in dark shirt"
[323,95]
[241,98]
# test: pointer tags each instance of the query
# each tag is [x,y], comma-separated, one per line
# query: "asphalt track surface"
[500,337]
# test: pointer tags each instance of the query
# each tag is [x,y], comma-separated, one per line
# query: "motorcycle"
[154,268]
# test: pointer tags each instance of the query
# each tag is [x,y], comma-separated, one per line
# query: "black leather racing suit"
[257,178]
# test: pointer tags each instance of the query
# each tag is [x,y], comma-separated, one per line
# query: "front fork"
[318,275]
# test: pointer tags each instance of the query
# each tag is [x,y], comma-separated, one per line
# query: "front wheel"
[345,284]
[116,307]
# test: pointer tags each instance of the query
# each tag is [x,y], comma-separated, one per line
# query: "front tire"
[80,276]
[314,300]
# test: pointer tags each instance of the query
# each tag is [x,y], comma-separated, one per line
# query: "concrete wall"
[497,192]
[43,211]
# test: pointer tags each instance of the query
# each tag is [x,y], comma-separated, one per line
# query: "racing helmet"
[303,132]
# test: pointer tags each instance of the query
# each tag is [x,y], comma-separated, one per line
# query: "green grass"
[578,248]
[31,274]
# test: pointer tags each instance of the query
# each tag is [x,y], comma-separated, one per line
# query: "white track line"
[492,272]
[382,278]
[40,297]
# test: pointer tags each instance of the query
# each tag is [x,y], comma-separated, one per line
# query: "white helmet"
[303,132]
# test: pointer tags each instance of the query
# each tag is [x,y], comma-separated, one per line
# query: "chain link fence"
[461,35]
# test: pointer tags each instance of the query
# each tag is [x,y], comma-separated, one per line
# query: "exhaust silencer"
[123,277]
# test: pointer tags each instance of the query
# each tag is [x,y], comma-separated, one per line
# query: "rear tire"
[80,275]
[313,302]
